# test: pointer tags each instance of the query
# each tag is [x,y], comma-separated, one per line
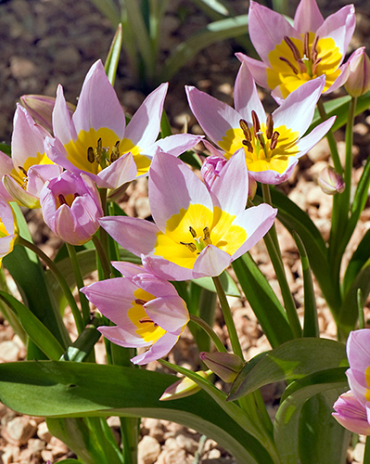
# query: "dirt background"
[47,42]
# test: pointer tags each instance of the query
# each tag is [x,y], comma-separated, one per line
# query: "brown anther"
[115,152]
[192,231]
[62,200]
[145,319]
[274,140]
[190,246]
[293,68]
[314,67]
[244,127]
[269,126]
[140,302]
[23,170]
[261,140]
[248,145]
[90,155]
[313,54]
[256,123]
[293,48]
[306,51]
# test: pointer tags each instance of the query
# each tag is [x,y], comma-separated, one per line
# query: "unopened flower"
[197,232]
[330,181]
[358,81]
[8,229]
[226,365]
[183,387]
[211,169]
[272,145]
[293,55]
[95,140]
[147,311]
[71,207]
[350,413]
[31,167]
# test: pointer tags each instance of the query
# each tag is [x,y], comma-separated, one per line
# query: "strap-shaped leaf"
[74,389]
[111,63]
[292,360]
[358,259]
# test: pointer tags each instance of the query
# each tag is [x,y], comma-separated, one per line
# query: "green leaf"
[264,302]
[70,461]
[109,9]
[214,32]
[35,329]
[111,63]
[77,390]
[358,259]
[212,6]
[227,282]
[5,148]
[292,360]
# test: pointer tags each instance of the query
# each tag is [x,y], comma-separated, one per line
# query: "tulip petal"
[256,67]
[125,337]
[153,285]
[211,262]
[246,97]
[129,270]
[174,145]
[165,269]
[351,414]
[358,349]
[39,174]
[160,349]
[169,312]
[307,17]
[310,140]
[118,173]
[63,127]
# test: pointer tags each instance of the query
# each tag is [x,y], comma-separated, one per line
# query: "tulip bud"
[71,207]
[183,387]
[226,365]
[252,188]
[41,107]
[330,181]
[350,413]
[358,81]
[211,169]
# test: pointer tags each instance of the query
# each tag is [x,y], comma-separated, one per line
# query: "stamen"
[302,67]
[269,126]
[274,140]
[314,67]
[313,54]
[147,319]
[293,68]
[293,48]
[207,236]
[90,155]
[62,200]
[244,127]
[99,150]
[115,152]
[256,123]
[23,170]
[248,145]
[190,246]
[192,231]
[306,51]
[140,301]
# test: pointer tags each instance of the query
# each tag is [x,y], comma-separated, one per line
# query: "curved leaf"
[111,63]
[357,261]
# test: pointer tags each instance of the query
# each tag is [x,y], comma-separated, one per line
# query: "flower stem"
[61,280]
[228,318]
[102,256]
[79,283]
[210,332]
[331,139]
[349,162]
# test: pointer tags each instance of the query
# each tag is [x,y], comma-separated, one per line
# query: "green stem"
[211,333]
[102,257]
[349,162]
[331,139]
[79,283]
[266,194]
[367,451]
[61,280]
[228,318]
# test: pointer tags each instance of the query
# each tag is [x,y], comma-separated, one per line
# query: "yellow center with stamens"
[146,328]
[19,173]
[191,230]
[288,72]
[96,149]
[263,158]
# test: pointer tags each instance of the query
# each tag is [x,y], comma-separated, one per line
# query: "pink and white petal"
[267,29]
[310,140]
[358,349]
[256,221]
[339,27]
[215,117]
[357,383]
[39,174]
[128,270]
[307,17]
[351,414]
[297,110]
[123,336]
[165,269]
[154,285]
[118,173]
[160,349]
[214,151]
[98,105]
[256,67]
[230,189]
[64,225]
[211,262]
[169,312]
[6,245]
[7,217]
[144,126]
[6,164]
[246,97]
[134,234]
[273,177]
[174,145]
[172,186]
[63,126]
[341,79]
[17,193]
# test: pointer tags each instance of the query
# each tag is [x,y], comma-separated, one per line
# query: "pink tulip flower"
[272,145]
[293,55]
[197,232]
[147,311]
[8,229]
[95,140]
[358,81]
[29,167]
[71,207]
[350,413]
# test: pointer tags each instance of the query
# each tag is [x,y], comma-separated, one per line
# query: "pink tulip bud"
[226,365]
[358,81]
[183,387]
[71,207]
[350,413]
[41,107]
[252,188]
[330,181]
[211,169]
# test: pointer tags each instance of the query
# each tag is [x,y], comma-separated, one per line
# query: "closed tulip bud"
[252,188]
[358,81]
[71,207]
[226,365]
[183,387]
[211,169]
[330,181]
[350,413]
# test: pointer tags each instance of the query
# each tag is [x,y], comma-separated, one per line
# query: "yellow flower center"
[94,150]
[266,147]
[146,328]
[296,61]
[191,230]
[20,173]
